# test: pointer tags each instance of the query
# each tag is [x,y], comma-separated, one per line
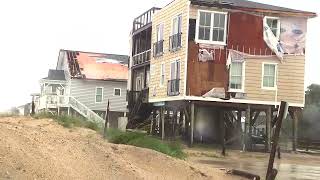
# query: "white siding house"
[83,83]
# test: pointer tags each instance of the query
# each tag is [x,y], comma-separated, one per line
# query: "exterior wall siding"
[84,91]
[165,16]
[290,81]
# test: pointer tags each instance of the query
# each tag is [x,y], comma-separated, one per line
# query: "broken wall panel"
[204,76]
[246,33]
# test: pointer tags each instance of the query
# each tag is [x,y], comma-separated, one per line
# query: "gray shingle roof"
[57,75]
[247,4]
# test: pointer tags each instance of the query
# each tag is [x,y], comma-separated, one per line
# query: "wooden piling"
[268,129]
[294,130]
[281,116]
[223,132]
[247,122]
[162,122]
[192,123]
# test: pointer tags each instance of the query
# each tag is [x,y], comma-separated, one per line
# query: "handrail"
[84,110]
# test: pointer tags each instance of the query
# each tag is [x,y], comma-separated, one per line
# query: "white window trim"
[224,43]
[95,97]
[242,90]
[164,74]
[279,24]
[275,77]
[114,92]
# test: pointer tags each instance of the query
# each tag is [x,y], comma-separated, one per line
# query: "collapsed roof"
[98,66]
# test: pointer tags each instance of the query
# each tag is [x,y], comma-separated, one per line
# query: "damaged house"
[207,69]
[83,83]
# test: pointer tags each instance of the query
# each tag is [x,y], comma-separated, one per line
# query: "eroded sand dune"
[42,149]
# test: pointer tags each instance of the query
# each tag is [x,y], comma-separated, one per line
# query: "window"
[269,76]
[159,32]
[175,38]
[237,76]
[211,27]
[175,70]
[117,92]
[274,24]
[162,74]
[174,82]
[158,46]
[99,94]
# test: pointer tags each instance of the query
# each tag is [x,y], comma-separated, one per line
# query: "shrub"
[173,149]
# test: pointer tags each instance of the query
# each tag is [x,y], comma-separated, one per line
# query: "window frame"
[162,74]
[102,89]
[278,24]
[224,42]
[114,92]
[275,76]
[242,90]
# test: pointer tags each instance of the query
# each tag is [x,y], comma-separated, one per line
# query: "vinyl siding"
[165,16]
[290,79]
[84,91]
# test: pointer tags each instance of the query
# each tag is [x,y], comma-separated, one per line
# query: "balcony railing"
[53,101]
[175,42]
[174,87]
[144,19]
[141,57]
[158,48]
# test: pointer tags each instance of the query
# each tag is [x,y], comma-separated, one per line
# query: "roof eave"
[227,6]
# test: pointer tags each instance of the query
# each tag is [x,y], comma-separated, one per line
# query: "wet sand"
[292,166]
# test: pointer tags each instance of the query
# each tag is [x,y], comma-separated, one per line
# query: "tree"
[313,95]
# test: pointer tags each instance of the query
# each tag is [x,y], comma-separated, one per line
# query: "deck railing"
[141,57]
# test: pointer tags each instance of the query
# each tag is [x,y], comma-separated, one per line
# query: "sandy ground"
[42,149]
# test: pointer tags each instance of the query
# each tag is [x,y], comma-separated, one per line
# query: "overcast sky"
[32,33]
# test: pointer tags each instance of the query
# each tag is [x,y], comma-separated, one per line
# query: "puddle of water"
[285,171]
